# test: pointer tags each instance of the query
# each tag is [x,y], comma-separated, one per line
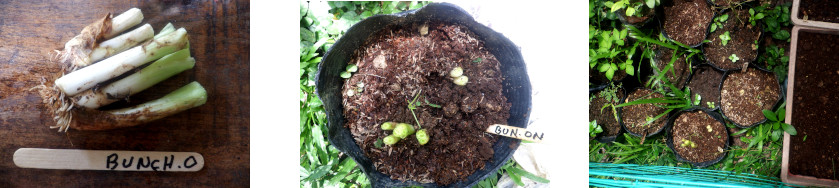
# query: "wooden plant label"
[75,159]
[516,132]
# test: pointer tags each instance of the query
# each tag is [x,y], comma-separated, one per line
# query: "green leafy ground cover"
[757,150]
[321,164]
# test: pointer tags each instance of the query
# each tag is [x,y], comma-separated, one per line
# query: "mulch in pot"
[819,10]
[679,73]
[705,81]
[604,116]
[814,104]
[398,63]
[687,21]
[742,44]
[634,117]
[744,96]
[698,138]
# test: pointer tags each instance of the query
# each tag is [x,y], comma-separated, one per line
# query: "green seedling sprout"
[725,37]
[733,58]
[391,140]
[388,126]
[422,137]
[403,130]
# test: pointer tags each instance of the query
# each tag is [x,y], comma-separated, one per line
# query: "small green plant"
[725,37]
[351,68]
[776,60]
[477,60]
[594,128]
[754,16]
[718,22]
[688,143]
[774,18]
[733,58]
[710,104]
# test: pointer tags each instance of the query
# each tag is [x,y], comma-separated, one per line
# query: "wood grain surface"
[219,130]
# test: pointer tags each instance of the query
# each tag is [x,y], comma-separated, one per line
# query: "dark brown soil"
[814,106]
[605,117]
[743,36]
[398,63]
[706,82]
[819,10]
[744,96]
[727,3]
[635,116]
[680,72]
[687,21]
[693,127]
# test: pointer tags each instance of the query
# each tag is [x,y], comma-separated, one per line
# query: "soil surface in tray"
[687,21]
[814,106]
[398,63]
[605,117]
[707,135]
[744,95]
[819,10]
[635,116]
[706,82]
[677,74]
[743,36]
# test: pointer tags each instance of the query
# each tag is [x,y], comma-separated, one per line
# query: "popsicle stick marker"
[516,132]
[111,160]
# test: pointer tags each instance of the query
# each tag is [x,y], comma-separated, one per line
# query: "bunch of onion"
[103,65]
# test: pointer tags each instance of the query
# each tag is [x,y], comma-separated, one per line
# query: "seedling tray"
[796,9]
[786,176]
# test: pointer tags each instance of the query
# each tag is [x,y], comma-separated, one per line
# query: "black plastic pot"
[714,115]
[516,87]
[603,138]
[662,16]
[712,68]
[774,106]
[759,39]
[623,125]
[622,17]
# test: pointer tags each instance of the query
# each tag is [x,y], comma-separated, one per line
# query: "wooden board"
[219,130]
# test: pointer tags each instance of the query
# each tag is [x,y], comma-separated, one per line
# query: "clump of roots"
[58,104]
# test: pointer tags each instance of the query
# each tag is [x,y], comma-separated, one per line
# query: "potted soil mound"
[636,118]
[706,81]
[680,71]
[698,136]
[734,45]
[606,118]
[816,13]
[811,108]
[744,96]
[400,68]
[686,21]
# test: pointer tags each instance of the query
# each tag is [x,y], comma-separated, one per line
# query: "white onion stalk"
[77,50]
[189,96]
[120,43]
[163,68]
[88,77]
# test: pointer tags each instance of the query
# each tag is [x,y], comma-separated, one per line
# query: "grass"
[321,164]
[757,149]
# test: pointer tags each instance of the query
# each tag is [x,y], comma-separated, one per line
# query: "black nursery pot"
[776,104]
[601,137]
[714,115]
[516,87]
